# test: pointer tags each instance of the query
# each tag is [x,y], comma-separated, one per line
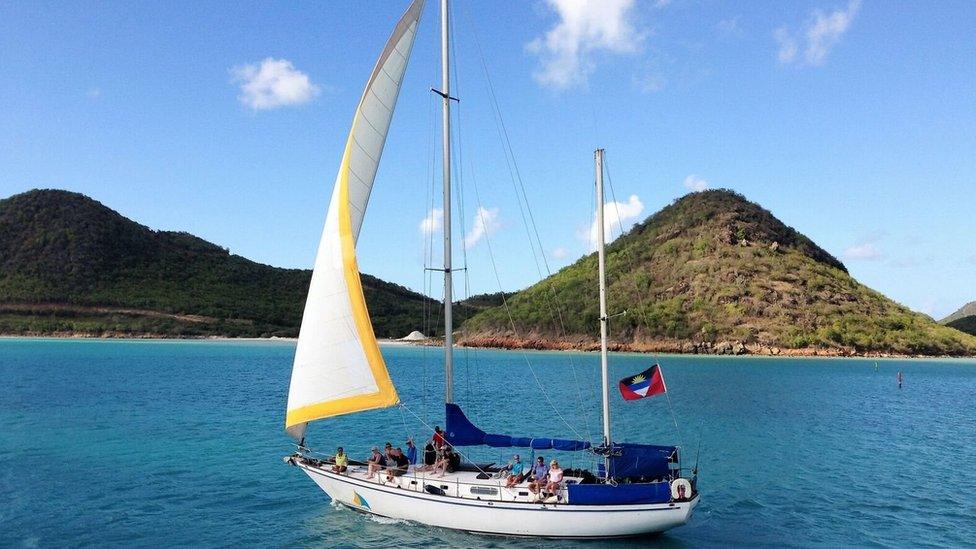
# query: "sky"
[852,121]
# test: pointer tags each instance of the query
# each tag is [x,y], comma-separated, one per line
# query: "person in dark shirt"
[375,462]
[430,456]
[397,465]
[453,459]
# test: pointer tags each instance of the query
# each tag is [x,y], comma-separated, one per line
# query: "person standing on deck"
[411,451]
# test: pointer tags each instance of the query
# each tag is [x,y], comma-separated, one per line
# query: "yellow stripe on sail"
[338,366]
[387,394]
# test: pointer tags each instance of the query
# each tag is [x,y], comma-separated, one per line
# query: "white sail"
[338,366]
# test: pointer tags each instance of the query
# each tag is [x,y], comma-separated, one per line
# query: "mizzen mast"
[604,318]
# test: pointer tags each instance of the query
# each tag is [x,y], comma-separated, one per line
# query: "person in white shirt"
[555,477]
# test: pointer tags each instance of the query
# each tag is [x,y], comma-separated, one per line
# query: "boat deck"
[462,484]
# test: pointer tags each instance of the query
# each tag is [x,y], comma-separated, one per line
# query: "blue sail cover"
[461,432]
[642,460]
[619,494]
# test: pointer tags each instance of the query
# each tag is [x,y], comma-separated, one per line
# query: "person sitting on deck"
[341,461]
[443,460]
[411,451]
[516,471]
[439,441]
[398,465]
[430,456]
[538,475]
[388,452]
[453,459]
[555,477]
[375,462]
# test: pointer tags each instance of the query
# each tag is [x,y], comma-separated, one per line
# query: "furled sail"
[338,366]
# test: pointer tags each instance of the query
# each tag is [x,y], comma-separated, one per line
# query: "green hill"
[714,272]
[965,324]
[68,264]
[968,309]
[963,320]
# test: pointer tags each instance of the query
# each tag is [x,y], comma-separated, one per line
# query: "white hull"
[505,518]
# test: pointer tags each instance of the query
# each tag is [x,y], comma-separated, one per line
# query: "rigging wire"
[431,429]
[528,221]
[428,244]
[511,319]
[458,168]
[640,300]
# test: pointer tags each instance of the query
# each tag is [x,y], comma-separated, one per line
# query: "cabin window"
[484,491]
[523,493]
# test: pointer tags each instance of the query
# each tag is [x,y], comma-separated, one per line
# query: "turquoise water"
[135,443]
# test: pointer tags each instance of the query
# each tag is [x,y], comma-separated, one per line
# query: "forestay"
[338,366]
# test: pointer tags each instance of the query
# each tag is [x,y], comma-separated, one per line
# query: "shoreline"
[681,348]
[678,347]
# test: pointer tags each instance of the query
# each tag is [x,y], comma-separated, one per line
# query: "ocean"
[150,443]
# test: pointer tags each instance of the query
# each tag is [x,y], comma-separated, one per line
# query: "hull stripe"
[515,505]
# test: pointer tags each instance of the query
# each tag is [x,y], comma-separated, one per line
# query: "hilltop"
[963,320]
[715,273]
[70,265]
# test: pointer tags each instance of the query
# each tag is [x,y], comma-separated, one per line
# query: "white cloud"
[822,32]
[826,30]
[616,216]
[94,94]
[652,83]
[433,223]
[863,251]
[559,253]
[695,183]
[787,45]
[485,223]
[730,26]
[273,83]
[584,28]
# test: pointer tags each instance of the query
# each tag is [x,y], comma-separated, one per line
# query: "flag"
[648,383]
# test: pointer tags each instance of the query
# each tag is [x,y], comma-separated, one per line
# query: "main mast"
[448,288]
[604,319]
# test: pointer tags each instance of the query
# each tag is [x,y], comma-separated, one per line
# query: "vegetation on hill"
[68,264]
[965,324]
[710,269]
[964,319]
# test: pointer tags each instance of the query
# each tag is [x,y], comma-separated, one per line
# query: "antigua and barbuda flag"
[648,383]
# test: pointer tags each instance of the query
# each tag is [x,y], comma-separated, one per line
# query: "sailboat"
[338,369]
